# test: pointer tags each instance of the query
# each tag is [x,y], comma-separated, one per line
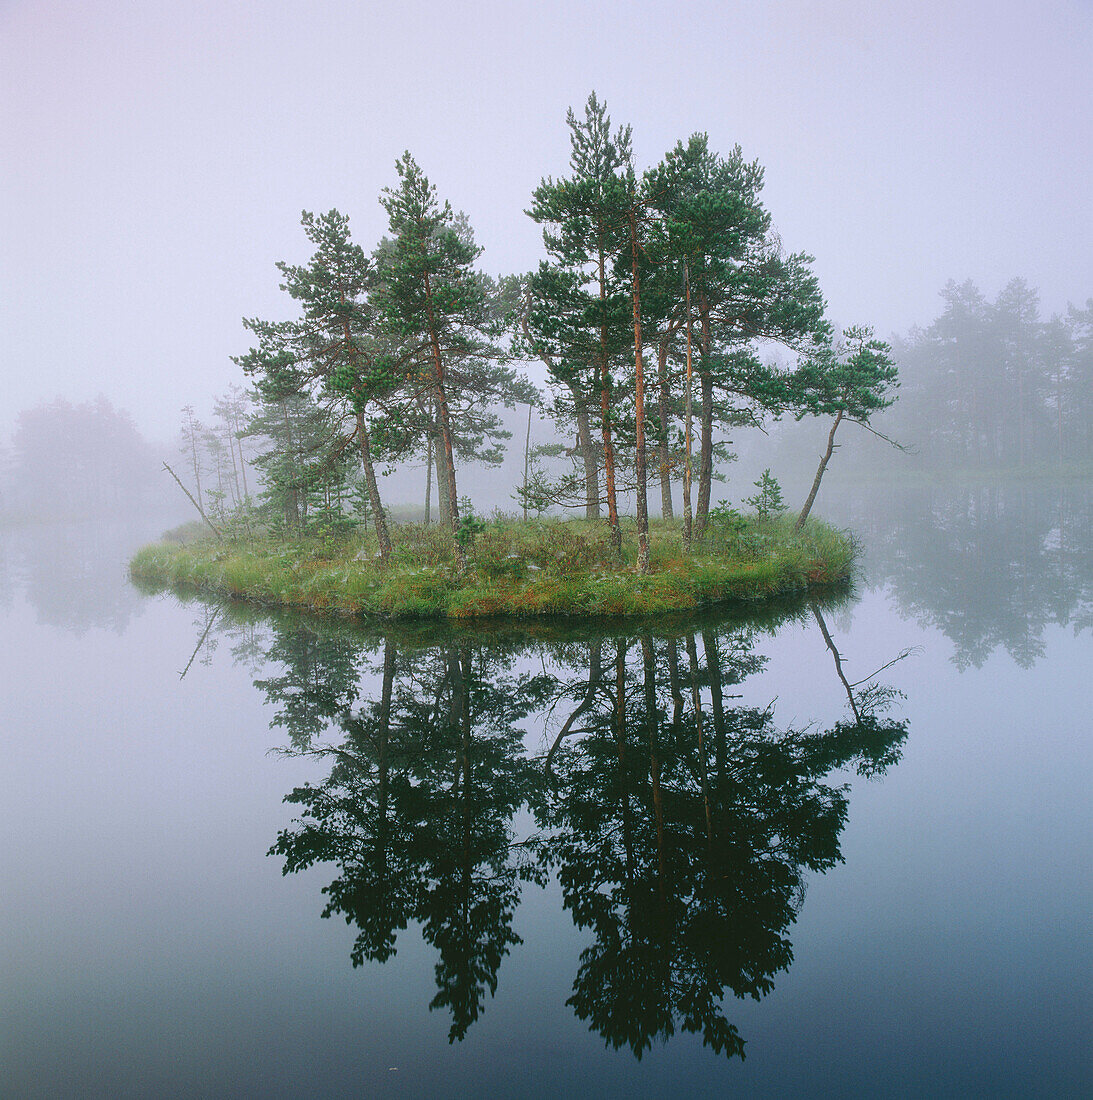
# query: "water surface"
[606,860]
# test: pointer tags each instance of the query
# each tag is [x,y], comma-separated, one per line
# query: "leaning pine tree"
[850,382]
[335,344]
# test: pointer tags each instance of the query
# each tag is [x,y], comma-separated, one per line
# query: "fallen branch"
[215,529]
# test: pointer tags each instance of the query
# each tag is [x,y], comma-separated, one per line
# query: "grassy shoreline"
[516,570]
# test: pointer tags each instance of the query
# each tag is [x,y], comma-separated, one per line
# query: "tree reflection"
[416,813]
[73,574]
[990,567]
[680,823]
[681,833]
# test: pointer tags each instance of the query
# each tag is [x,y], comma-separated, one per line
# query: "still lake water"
[551,852]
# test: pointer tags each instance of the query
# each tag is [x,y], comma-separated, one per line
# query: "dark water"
[848,839]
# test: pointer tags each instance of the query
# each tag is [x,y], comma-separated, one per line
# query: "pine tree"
[586,228]
[336,344]
[306,452]
[435,306]
[736,284]
[850,382]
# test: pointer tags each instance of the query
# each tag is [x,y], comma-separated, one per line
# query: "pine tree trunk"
[293,516]
[242,462]
[220,474]
[383,768]
[588,456]
[595,676]
[717,701]
[466,726]
[236,497]
[688,421]
[662,413]
[447,465]
[609,471]
[527,455]
[584,436]
[705,458]
[1059,416]
[639,400]
[605,419]
[443,508]
[674,687]
[193,451]
[428,481]
[449,461]
[379,520]
[819,474]
[650,692]
[620,752]
[445,427]
[700,728]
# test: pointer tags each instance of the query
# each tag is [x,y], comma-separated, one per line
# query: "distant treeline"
[993,385]
[76,461]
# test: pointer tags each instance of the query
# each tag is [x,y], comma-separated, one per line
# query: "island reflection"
[680,824]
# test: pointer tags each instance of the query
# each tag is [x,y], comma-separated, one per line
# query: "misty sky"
[156,156]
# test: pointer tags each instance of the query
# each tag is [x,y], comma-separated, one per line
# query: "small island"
[666,314]
[512,568]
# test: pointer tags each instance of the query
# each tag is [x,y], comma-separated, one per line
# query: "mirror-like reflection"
[681,827]
[990,566]
[416,812]
[73,574]
[680,823]
[156,949]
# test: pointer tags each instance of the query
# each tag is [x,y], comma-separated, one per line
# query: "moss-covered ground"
[515,569]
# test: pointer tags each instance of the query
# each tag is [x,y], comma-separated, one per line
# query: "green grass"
[515,569]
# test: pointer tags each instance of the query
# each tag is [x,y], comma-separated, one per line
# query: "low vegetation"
[513,568]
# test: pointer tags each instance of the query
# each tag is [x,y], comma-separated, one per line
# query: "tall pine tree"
[434,304]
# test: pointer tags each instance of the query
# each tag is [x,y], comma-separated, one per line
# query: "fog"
[575,829]
[156,158]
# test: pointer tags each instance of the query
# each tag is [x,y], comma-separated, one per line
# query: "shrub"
[561,548]
[768,501]
[422,544]
[470,526]
[496,555]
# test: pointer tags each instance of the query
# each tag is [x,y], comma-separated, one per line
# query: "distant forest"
[994,385]
[76,461]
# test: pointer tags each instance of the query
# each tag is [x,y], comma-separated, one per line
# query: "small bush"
[422,544]
[768,501]
[563,550]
